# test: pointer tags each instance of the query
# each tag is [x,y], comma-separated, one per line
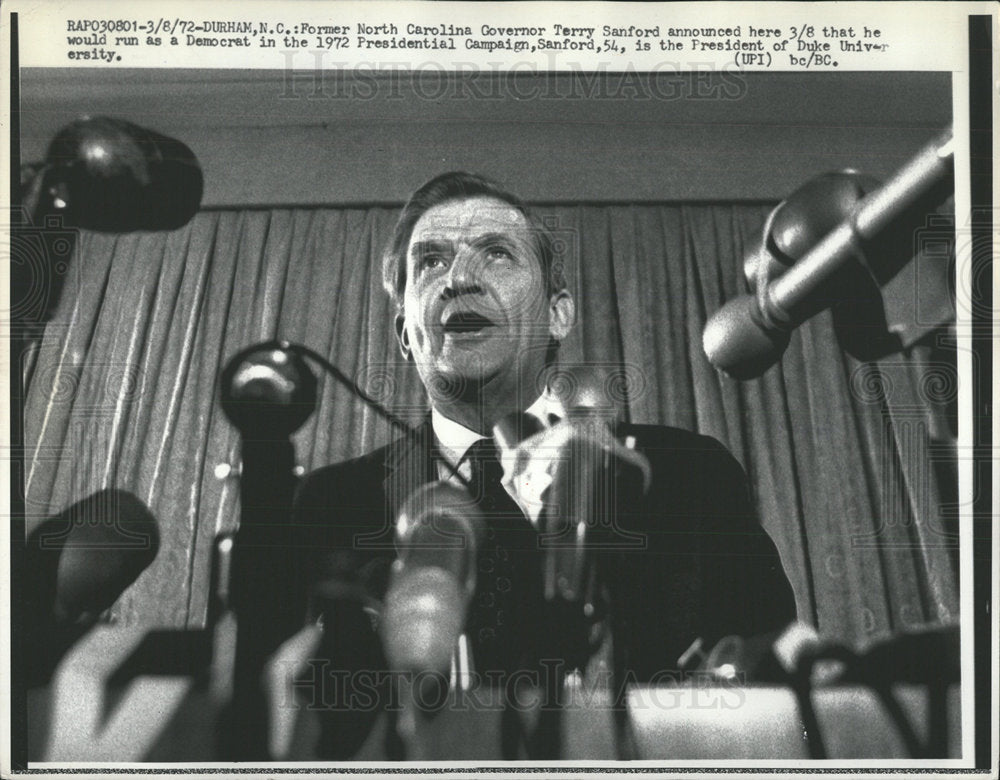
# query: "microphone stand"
[265,587]
[267,396]
[268,392]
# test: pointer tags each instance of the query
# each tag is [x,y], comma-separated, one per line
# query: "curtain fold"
[840,454]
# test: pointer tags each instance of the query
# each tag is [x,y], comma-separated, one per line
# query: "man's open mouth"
[465,322]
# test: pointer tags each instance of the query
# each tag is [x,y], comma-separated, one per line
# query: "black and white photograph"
[459,388]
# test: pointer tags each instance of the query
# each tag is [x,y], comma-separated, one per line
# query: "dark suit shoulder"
[349,494]
[708,568]
[365,467]
[665,437]
[678,451]
[340,514]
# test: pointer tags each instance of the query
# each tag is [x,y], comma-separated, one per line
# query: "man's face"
[475,307]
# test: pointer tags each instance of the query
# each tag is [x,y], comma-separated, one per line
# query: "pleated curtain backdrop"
[122,391]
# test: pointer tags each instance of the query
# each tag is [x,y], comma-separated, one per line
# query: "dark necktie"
[508,584]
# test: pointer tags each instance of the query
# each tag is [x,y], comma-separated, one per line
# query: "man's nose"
[464,273]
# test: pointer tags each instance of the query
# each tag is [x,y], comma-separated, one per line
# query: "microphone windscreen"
[594,390]
[268,391]
[438,533]
[737,342]
[423,618]
[108,540]
[112,175]
[439,525]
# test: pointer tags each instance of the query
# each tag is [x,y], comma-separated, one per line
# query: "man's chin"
[459,381]
[469,361]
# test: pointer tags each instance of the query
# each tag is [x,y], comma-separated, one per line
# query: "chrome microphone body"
[750,332]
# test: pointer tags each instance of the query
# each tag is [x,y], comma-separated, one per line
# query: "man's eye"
[432,260]
[499,253]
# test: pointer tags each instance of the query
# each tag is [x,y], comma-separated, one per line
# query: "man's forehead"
[469,215]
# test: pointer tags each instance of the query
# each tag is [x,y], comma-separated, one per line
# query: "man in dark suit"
[482,307]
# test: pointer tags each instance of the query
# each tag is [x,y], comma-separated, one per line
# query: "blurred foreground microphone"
[574,469]
[836,240]
[107,174]
[433,579]
[99,174]
[78,564]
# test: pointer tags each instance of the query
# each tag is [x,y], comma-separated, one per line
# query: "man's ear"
[562,314]
[401,337]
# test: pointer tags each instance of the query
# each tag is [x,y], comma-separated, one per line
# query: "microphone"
[78,564]
[268,391]
[110,175]
[91,552]
[270,384]
[100,174]
[573,469]
[751,332]
[432,581]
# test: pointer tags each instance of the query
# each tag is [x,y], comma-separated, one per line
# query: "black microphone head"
[103,543]
[801,221]
[268,391]
[737,342]
[111,175]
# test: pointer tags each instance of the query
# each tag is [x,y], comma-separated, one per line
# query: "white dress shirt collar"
[453,438]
